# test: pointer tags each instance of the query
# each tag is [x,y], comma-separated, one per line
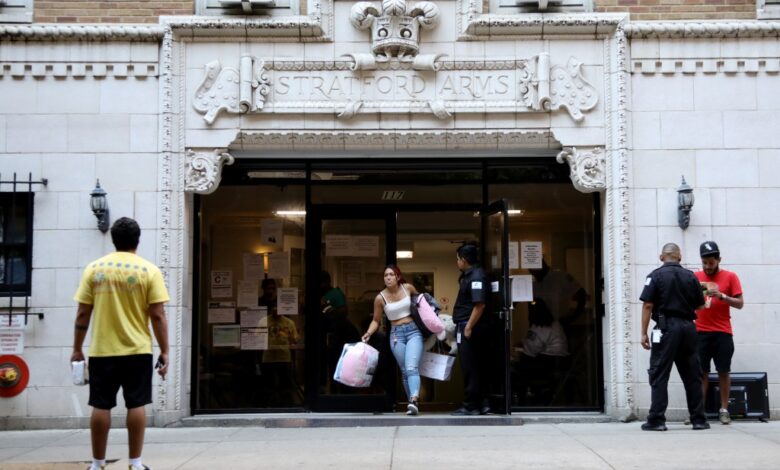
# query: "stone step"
[323,420]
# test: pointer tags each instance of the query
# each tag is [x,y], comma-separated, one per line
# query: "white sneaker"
[411,409]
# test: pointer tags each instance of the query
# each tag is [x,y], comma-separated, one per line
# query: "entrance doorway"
[336,225]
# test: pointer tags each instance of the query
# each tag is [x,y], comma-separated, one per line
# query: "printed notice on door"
[522,288]
[366,246]
[531,255]
[221,283]
[338,245]
[514,255]
[222,312]
[254,339]
[272,231]
[227,336]
[287,301]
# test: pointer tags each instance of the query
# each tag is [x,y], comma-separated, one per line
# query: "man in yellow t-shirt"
[121,292]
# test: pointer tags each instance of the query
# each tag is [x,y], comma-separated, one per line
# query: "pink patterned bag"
[357,365]
[428,316]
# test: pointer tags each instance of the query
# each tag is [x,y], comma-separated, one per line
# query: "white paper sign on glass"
[225,336]
[366,246]
[253,266]
[221,283]
[254,318]
[531,255]
[522,288]
[254,339]
[287,301]
[247,294]
[279,265]
[338,245]
[514,255]
[222,312]
[272,231]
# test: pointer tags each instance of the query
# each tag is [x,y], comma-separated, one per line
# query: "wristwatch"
[721,295]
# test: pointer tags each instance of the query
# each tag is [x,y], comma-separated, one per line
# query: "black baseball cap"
[709,249]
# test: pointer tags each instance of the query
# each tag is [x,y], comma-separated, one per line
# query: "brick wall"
[681,9]
[113,11]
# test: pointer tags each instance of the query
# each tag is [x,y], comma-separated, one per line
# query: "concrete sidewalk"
[742,445]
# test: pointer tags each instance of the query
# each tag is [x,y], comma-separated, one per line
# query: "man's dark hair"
[468,252]
[125,233]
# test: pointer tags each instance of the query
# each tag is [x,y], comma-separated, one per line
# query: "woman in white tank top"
[406,341]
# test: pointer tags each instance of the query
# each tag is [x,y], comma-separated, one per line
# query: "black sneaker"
[701,426]
[653,427]
[463,411]
[412,409]
[485,409]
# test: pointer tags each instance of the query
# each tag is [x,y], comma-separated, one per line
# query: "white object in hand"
[79,372]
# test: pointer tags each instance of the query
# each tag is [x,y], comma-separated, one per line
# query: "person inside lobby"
[538,373]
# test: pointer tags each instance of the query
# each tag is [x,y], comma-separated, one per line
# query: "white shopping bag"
[436,366]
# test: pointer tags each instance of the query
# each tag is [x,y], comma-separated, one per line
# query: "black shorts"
[133,373]
[718,347]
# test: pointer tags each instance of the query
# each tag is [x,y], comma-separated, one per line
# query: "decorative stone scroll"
[425,84]
[235,91]
[203,170]
[588,170]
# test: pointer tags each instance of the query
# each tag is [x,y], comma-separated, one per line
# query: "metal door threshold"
[335,420]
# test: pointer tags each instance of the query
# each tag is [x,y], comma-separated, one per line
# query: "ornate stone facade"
[204,170]
[588,169]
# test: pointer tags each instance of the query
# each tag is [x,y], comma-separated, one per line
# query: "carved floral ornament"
[587,169]
[203,170]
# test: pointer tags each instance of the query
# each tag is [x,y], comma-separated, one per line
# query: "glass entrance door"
[495,240]
[351,248]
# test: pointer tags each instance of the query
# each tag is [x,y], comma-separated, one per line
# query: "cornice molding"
[399,140]
[702,29]
[474,25]
[317,26]
[705,66]
[82,32]
[98,70]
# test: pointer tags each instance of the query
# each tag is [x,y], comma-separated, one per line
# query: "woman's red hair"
[397,271]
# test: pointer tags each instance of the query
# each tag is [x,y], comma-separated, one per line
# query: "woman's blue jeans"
[406,342]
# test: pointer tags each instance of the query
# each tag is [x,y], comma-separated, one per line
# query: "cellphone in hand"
[158,364]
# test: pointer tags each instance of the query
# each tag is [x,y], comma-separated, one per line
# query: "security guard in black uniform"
[671,295]
[472,333]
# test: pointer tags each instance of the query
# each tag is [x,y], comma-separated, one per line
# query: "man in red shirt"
[713,323]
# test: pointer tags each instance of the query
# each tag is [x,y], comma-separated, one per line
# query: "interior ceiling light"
[516,211]
[404,254]
[290,213]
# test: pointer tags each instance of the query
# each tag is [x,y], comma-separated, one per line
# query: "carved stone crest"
[395,33]
[236,91]
[588,170]
[203,170]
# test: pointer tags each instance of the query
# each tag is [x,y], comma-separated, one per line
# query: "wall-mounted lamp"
[684,204]
[99,205]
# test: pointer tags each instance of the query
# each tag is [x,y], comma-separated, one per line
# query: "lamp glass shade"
[685,198]
[98,200]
